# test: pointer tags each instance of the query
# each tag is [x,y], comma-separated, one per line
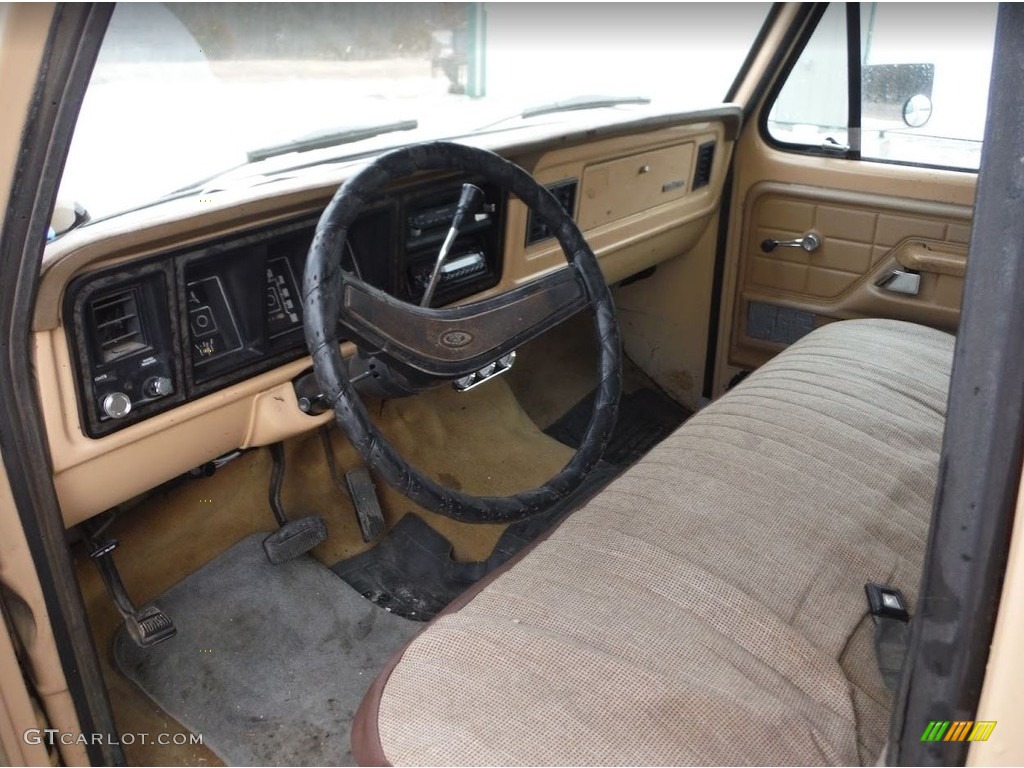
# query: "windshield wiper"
[327,139]
[569,105]
[582,102]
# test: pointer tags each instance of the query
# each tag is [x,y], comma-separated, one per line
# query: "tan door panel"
[838,262]
[863,238]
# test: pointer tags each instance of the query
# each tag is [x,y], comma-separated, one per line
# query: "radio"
[429,218]
[457,269]
[473,263]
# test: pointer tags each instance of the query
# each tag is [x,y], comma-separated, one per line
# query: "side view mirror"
[67,215]
[917,111]
[897,93]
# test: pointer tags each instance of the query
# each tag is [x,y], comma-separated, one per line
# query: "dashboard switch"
[116,405]
[310,397]
[158,386]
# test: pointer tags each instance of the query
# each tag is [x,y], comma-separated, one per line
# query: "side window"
[922,73]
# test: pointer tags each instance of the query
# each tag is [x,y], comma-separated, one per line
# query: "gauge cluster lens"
[210,321]
[243,305]
[283,310]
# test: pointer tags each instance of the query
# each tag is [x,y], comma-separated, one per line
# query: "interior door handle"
[809,242]
[898,281]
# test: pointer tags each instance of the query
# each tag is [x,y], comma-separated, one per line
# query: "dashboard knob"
[117,405]
[158,386]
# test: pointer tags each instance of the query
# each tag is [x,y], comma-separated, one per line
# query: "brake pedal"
[364,499]
[295,538]
[276,479]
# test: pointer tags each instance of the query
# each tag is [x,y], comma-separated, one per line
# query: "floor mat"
[411,570]
[646,417]
[269,662]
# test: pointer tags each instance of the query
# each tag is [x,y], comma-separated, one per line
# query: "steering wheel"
[450,343]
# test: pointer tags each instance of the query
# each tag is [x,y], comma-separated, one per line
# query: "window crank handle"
[809,242]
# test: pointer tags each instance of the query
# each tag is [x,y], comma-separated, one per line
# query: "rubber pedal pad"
[364,499]
[295,538]
[149,627]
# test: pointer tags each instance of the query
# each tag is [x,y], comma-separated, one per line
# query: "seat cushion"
[708,606]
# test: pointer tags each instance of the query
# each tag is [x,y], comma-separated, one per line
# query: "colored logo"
[958,730]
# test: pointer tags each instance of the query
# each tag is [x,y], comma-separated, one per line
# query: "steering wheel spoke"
[454,341]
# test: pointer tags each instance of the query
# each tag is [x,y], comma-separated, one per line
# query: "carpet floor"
[269,662]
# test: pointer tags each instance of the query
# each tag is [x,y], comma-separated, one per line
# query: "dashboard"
[167,337]
[180,325]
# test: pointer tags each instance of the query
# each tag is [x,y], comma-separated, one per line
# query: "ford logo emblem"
[456,339]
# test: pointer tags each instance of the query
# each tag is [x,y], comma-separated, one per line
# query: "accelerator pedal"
[295,538]
[364,499]
[360,489]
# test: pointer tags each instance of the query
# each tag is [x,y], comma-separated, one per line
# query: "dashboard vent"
[705,159]
[117,325]
[565,193]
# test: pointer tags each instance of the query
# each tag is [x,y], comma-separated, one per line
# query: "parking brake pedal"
[146,626]
[150,626]
[295,537]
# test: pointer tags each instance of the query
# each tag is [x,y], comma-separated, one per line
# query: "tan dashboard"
[641,193]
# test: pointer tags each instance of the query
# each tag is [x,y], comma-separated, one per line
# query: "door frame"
[45,123]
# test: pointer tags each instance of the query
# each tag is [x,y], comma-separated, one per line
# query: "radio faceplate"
[457,269]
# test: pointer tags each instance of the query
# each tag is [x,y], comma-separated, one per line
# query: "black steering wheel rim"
[323,286]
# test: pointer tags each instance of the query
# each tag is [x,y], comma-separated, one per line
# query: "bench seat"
[708,606]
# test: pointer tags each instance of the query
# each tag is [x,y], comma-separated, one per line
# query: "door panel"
[785,292]
[834,144]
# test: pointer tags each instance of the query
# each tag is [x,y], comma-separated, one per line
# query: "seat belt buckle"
[886,602]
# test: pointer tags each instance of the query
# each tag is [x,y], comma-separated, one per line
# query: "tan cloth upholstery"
[708,606]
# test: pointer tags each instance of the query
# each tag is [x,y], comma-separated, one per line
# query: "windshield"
[183,92]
